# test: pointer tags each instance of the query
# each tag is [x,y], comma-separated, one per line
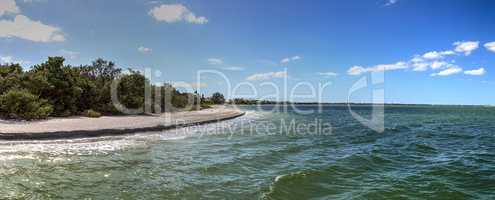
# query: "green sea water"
[424,152]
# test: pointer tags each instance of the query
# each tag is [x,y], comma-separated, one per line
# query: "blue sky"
[433,52]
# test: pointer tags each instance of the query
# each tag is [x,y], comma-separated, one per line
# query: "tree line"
[54,89]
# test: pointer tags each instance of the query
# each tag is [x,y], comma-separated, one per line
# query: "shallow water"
[443,152]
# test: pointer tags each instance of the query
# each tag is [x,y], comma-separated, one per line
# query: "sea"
[272,152]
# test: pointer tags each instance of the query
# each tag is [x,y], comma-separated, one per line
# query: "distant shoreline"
[81,127]
[363,104]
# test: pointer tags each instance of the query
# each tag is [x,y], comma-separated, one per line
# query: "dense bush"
[218,98]
[55,89]
[131,90]
[92,113]
[10,77]
[21,104]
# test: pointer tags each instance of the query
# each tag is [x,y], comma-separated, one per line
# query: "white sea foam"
[14,150]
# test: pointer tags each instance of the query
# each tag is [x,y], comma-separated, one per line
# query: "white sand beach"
[110,125]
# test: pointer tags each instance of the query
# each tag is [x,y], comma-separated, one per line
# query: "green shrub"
[21,104]
[218,98]
[131,90]
[205,106]
[92,113]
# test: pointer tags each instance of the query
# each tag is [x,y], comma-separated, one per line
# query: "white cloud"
[24,28]
[221,64]
[6,59]
[490,46]
[420,66]
[144,50]
[32,1]
[8,6]
[386,67]
[391,2]
[476,72]
[185,85]
[69,54]
[449,71]
[267,76]
[432,55]
[327,73]
[171,13]
[10,59]
[434,60]
[285,60]
[466,47]
[290,59]
[233,68]
[417,59]
[438,64]
[215,61]
[357,70]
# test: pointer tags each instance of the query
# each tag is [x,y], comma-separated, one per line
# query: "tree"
[218,98]
[10,77]
[55,89]
[57,86]
[21,104]
[131,89]
[103,72]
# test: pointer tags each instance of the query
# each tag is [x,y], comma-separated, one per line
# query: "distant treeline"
[55,89]
[242,101]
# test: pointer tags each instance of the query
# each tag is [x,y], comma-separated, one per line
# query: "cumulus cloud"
[391,2]
[434,60]
[171,13]
[25,28]
[215,61]
[476,72]
[490,46]
[357,70]
[449,71]
[437,54]
[417,59]
[69,54]
[289,59]
[285,60]
[10,59]
[222,65]
[144,50]
[420,66]
[327,73]
[438,64]
[466,47]
[267,76]
[181,84]
[233,68]
[8,6]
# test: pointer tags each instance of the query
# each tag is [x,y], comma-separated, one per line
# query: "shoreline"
[81,127]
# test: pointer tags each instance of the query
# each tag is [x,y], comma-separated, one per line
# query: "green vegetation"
[55,89]
[21,104]
[241,101]
[217,98]
[92,113]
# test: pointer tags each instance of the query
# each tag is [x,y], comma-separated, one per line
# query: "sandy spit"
[75,127]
